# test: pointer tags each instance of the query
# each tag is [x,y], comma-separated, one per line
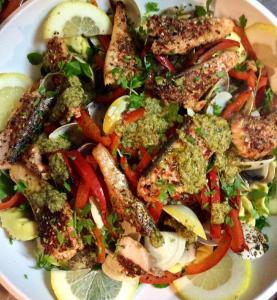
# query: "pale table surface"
[272,5]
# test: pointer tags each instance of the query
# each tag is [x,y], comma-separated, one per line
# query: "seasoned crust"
[178,36]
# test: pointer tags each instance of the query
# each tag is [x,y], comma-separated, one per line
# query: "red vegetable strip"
[212,259]
[203,198]
[224,44]
[215,229]
[100,245]
[260,95]
[235,230]
[92,161]
[245,42]
[12,201]
[155,210]
[145,160]
[252,79]
[82,196]
[133,116]
[167,278]
[164,61]
[236,105]
[110,97]
[88,175]
[262,82]
[114,144]
[91,130]
[240,75]
[104,41]
[11,6]
[130,174]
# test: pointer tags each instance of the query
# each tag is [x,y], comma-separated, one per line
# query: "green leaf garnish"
[242,21]
[261,222]
[217,109]
[160,286]
[151,7]
[256,194]
[200,11]
[35,58]
[21,186]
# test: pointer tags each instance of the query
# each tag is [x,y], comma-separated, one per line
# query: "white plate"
[19,35]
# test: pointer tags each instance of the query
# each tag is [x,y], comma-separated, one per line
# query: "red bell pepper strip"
[12,201]
[91,130]
[239,75]
[114,144]
[224,44]
[130,174]
[167,278]
[104,41]
[100,245]
[203,198]
[92,161]
[252,80]
[146,159]
[212,259]
[164,61]
[82,196]
[245,42]
[110,97]
[88,175]
[236,232]
[11,6]
[133,116]
[155,210]
[99,61]
[215,229]
[262,82]
[236,105]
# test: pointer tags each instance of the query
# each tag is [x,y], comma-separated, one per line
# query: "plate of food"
[138,150]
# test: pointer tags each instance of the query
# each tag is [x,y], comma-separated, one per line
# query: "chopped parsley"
[230,190]
[44,261]
[166,189]
[200,11]
[21,186]
[160,285]
[268,97]
[200,131]
[217,109]
[151,7]
[242,21]
[261,222]
[76,68]
[136,101]
[221,74]
[67,186]
[35,58]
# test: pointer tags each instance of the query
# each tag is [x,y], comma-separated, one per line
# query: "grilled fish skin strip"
[121,52]
[188,87]
[49,223]
[23,126]
[253,137]
[178,36]
[127,206]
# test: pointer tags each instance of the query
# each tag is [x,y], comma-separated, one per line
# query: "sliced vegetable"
[236,105]
[155,210]
[144,161]
[88,175]
[82,196]
[133,116]
[224,44]
[12,201]
[130,174]
[213,259]
[91,130]
[114,144]
[245,42]
[100,245]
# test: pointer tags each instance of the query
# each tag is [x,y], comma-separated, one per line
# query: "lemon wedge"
[226,280]
[263,38]
[114,113]
[71,19]
[187,217]
[88,284]
[12,87]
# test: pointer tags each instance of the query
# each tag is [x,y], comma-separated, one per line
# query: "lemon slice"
[226,280]
[114,113]
[70,19]
[88,284]
[12,87]
[263,38]
[187,217]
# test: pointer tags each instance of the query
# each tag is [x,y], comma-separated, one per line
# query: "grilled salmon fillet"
[127,206]
[253,137]
[188,88]
[121,52]
[49,223]
[178,36]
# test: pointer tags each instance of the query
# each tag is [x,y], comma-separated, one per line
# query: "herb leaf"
[261,223]
[256,194]
[21,186]
[35,58]
[151,7]
[242,21]
[200,11]
[230,190]
[217,109]
[160,285]
[268,97]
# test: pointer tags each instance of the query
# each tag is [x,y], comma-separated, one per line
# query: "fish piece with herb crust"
[121,53]
[179,36]
[188,88]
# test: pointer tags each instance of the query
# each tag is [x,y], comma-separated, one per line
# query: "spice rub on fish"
[121,53]
[188,88]
[126,205]
[23,126]
[178,36]
[180,169]
[254,137]
[52,213]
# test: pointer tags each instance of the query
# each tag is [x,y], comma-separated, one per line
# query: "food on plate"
[145,152]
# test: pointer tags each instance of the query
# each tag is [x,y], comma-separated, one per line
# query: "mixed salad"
[146,152]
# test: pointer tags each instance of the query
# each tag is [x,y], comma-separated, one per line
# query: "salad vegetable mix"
[146,152]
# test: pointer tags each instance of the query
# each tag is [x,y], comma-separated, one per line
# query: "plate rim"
[5,282]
